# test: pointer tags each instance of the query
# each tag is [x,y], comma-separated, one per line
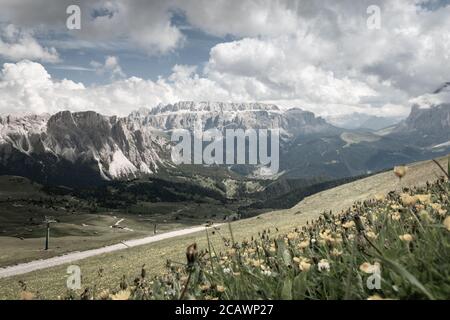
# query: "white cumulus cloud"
[314,54]
[111,66]
[16,44]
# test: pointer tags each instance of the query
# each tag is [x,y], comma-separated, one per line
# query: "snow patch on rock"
[121,166]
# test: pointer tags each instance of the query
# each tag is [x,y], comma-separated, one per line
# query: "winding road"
[79,255]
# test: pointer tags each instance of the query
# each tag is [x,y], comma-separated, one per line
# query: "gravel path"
[78,255]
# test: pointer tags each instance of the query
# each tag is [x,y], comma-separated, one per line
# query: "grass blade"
[406,274]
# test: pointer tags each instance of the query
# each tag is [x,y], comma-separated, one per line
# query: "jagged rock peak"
[190,106]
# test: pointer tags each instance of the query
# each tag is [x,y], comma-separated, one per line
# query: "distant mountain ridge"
[362,121]
[79,148]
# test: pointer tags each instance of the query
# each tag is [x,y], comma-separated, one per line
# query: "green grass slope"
[51,283]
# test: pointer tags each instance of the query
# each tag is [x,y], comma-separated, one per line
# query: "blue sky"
[75,62]
[332,58]
[194,51]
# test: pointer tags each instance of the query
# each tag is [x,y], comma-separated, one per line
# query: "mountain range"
[85,148]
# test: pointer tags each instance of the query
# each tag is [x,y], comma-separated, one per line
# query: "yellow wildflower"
[447,223]
[371,235]
[423,198]
[436,206]
[395,216]
[303,244]
[103,295]
[406,237]
[121,295]
[256,263]
[408,200]
[26,295]
[205,287]
[336,253]
[420,207]
[220,288]
[348,224]
[292,235]
[366,267]
[305,265]
[400,171]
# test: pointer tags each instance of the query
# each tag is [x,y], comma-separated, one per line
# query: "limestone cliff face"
[128,147]
[81,148]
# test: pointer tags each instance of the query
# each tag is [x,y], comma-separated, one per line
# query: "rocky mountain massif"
[85,148]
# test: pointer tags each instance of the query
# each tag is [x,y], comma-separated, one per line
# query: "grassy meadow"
[276,253]
[82,223]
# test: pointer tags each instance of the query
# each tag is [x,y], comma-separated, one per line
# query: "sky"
[334,58]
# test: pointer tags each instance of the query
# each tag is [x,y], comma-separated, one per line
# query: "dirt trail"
[78,255]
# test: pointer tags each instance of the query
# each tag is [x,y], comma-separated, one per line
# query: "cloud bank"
[314,54]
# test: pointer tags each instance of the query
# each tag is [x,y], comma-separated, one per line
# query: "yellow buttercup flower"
[408,200]
[367,267]
[303,244]
[103,295]
[348,224]
[336,253]
[220,288]
[423,198]
[406,237]
[205,287]
[436,206]
[400,171]
[256,263]
[305,265]
[121,295]
[292,235]
[447,223]
[442,212]
[371,235]
[395,216]
[26,295]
